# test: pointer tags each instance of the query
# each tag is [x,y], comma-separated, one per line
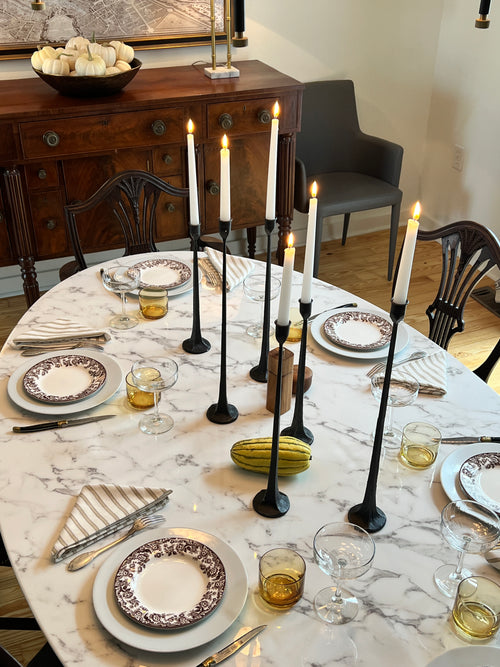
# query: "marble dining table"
[403,618]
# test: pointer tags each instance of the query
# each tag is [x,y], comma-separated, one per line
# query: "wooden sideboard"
[55,150]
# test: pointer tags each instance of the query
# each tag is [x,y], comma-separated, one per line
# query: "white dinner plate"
[169,583]
[148,639]
[358,330]
[468,656]
[480,479]
[320,337]
[18,396]
[64,378]
[166,273]
[450,468]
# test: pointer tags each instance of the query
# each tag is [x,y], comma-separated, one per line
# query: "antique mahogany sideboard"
[55,150]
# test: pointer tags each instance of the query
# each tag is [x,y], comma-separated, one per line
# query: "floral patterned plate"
[166,273]
[358,330]
[64,378]
[480,479]
[172,582]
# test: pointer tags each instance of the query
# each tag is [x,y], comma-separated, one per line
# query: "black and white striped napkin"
[429,372]
[101,510]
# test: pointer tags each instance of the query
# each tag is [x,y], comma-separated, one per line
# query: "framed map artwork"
[144,24]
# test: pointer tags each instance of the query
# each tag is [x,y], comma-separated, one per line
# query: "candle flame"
[291,239]
[190,126]
[314,189]
[276,109]
[416,211]
[224,141]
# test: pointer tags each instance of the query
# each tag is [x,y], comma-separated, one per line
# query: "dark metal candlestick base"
[221,412]
[196,344]
[271,502]
[367,515]
[259,372]
[297,428]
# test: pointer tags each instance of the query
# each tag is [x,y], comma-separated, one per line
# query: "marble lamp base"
[221,72]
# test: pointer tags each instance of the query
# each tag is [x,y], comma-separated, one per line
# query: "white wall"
[388,48]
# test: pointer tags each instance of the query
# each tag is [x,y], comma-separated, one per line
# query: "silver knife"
[62,423]
[226,652]
[468,440]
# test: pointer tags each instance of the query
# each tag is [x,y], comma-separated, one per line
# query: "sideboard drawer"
[245,117]
[49,225]
[42,175]
[167,160]
[93,134]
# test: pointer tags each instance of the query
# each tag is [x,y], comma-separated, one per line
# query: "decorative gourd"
[78,42]
[122,65]
[110,71]
[70,56]
[123,51]
[90,65]
[255,455]
[56,66]
[42,54]
[107,52]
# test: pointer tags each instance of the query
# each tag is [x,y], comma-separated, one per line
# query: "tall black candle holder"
[196,344]
[367,515]
[271,502]
[297,428]
[222,412]
[259,372]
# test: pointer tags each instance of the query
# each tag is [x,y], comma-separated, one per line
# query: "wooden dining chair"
[131,197]
[44,658]
[354,171]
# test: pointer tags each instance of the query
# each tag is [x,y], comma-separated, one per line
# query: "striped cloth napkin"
[237,268]
[101,510]
[58,330]
[429,372]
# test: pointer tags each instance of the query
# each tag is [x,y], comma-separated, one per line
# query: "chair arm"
[300,199]
[379,158]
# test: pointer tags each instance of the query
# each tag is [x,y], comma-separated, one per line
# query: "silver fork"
[141,522]
[378,368]
[313,317]
[34,351]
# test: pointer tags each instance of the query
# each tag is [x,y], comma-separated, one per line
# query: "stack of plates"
[179,590]
[171,274]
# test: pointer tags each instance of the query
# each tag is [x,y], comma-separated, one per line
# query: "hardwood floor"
[359,267]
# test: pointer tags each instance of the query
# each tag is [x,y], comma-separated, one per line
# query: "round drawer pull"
[159,128]
[213,188]
[171,207]
[167,159]
[42,174]
[50,224]
[264,116]
[226,121]
[51,138]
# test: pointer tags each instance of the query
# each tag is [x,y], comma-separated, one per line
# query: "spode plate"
[166,273]
[64,378]
[181,639]
[468,656]
[170,583]
[358,330]
[450,468]
[480,479]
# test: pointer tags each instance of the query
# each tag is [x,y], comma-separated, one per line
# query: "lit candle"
[271,168]
[225,182]
[194,216]
[305,297]
[286,284]
[403,280]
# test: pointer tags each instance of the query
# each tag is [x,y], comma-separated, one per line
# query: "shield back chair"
[133,197]
[354,171]
[469,250]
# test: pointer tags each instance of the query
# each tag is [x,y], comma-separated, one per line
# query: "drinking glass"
[254,288]
[344,551]
[468,527]
[116,279]
[155,375]
[281,577]
[403,391]
[476,612]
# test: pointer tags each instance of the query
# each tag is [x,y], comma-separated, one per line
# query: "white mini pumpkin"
[107,52]
[42,54]
[78,42]
[56,66]
[110,71]
[90,65]
[122,65]
[123,51]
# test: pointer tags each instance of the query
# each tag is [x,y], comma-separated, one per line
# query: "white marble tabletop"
[403,618]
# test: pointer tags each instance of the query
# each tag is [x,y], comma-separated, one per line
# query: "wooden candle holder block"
[286,380]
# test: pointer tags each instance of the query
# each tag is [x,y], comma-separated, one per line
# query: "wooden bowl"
[91,86]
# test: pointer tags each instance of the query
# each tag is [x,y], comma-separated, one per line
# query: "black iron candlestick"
[196,344]
[297,428]
[259,372]
[271,502]
[367,515]
[222,412]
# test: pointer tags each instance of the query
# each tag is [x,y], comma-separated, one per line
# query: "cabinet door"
[249,158]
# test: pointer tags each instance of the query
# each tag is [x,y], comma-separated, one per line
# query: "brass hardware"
[226,121]
[51,138]
[42,174]
[37,5]
[50,224]
[167,159]
[264,116]
[170,207]
[159,128]
[213,188]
